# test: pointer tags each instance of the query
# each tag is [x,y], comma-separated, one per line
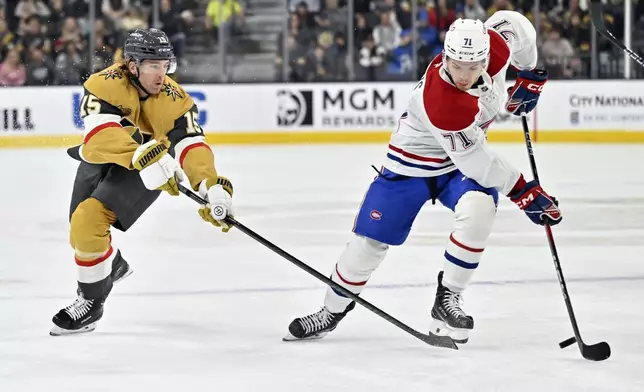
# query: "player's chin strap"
[135,80]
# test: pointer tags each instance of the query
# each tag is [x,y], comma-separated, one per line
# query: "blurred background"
[61,42]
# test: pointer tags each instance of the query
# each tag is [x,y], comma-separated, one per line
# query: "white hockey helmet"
[467,40]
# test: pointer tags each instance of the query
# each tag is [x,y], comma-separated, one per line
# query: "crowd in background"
[384,45]
[46,42]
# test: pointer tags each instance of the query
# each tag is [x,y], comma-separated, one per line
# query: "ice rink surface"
[206,311]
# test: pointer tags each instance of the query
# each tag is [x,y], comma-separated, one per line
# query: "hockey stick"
[437,341]
[598,21]
[595,352]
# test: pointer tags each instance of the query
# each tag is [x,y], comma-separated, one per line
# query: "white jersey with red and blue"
[444,128]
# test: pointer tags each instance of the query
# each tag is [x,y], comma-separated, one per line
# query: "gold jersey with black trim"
[117,120]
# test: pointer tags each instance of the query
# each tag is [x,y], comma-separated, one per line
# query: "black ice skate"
[316,325]
[81,316]
[448,317]
[120,268]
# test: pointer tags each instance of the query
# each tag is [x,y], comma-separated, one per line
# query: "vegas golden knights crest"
[172,91]
[111,74]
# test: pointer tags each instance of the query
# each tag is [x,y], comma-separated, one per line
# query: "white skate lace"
[453,303]
[79,308]
[316,321]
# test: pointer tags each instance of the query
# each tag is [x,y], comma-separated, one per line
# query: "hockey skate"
[316,325]
[83,314]
[448,317]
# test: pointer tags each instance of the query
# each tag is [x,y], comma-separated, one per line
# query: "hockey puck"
[567,342]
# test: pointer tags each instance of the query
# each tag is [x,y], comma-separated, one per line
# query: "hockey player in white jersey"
[439,152]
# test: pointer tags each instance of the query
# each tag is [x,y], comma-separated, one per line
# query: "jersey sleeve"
[519,34]
[188,144]
[105,139]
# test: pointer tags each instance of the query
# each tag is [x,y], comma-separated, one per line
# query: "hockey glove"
[540,207]
[158,170]
[219,194]
[526,91]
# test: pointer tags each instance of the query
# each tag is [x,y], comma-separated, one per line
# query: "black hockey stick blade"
[598,21]
[595,352]
[432,340]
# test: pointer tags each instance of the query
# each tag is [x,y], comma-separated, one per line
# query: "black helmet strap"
[135,79]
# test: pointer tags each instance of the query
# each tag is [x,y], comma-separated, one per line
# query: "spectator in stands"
[297,67]
[40,68]
[69,66]
[173,22]
[401,58]
[332,17]
[12,70]
[474,10]
[7,38]
[371,58]
[56,19]
[557,53]
[313,6]
[227,13]
[306,19]
[114,11]
[403,15]
[386,35]
[27,8]
[318,65]
[69,33]
[304,36]
[103,56]
[134,19]
[336,58]
[362,31]
[33,35]
[441,17]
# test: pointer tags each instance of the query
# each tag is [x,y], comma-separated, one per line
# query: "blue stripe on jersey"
[415,165]
[460,262]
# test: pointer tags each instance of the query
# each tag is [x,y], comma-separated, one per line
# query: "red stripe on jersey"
[474,250]
[499,53]
[99,128]
[417,157]
[190,147]
[91,263]
[346,281]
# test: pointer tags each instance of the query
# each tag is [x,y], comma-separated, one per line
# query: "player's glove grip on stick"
[526,91]
[158,170]
[540,207]
[219,194]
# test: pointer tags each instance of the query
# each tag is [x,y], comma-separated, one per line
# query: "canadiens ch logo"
[111,74]
[172,91]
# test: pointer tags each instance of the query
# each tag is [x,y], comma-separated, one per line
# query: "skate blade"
[440,328]
[290,338]
[57,331]
[125,275]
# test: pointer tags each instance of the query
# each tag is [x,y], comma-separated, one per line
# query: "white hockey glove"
[158,170]
[219,194]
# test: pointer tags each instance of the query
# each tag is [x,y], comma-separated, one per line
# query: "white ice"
[207,311]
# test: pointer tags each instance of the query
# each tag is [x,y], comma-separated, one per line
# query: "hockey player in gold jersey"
[142,136]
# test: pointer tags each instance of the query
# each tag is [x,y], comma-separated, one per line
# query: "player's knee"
[475,213]
[89,226]
[362,256]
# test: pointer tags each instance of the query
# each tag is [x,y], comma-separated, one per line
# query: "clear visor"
[158,66]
